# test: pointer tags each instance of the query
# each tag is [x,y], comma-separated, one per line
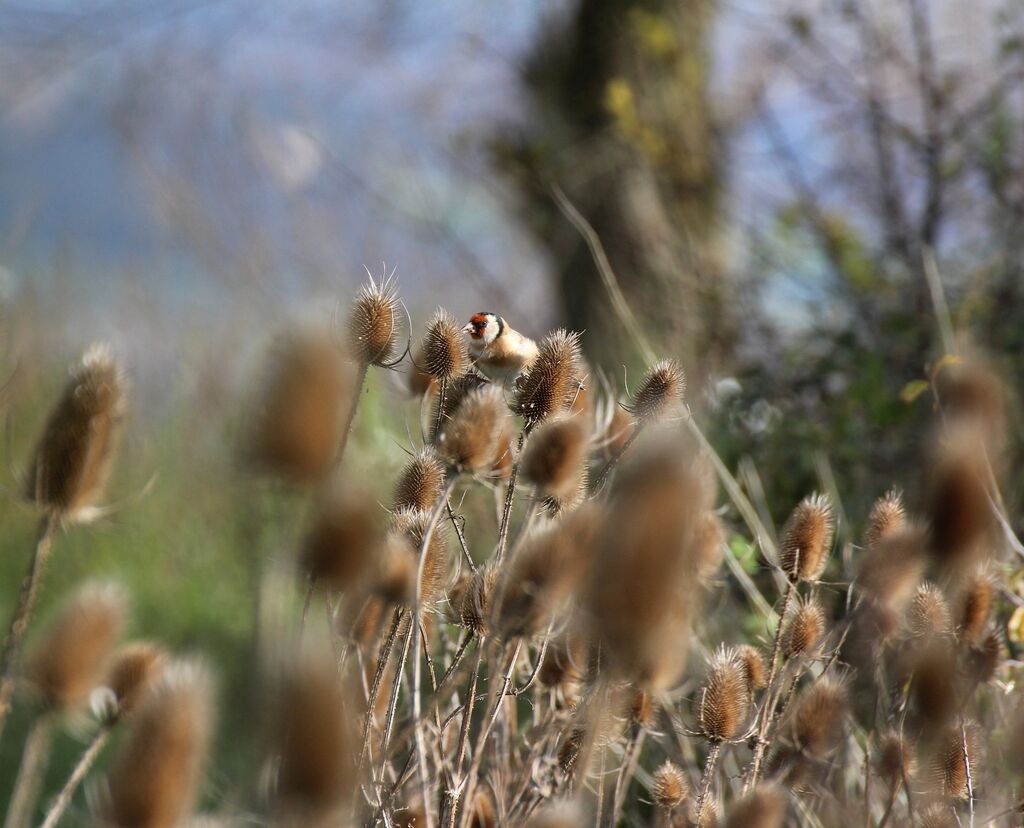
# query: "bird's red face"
[483,327]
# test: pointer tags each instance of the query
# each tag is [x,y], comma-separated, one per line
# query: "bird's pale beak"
[468,328]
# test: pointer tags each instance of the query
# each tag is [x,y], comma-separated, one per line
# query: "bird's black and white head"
[484,327]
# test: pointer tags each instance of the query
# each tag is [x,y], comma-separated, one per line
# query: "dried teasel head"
[894,760]
[888,515]
[313,740]
[72,460]
[976,600]
[985,657]
[928,614]
[444,347]
[947,765]
[555,459]
[135,668]
[373,322]
[343,541]
[971,393]
[551,383]
[71,657]
[725,697]
[411,524]
[421,481]
[935,682]
[640,596]
[660,395]
[469,441]
[394,578]
[806,539]
[306,390]
[154,780]
[938,815]
[805,629]
[670,787]
[471,600]
[763,806]
[960,514]
[753,664]
[565,661]
[642,709]
[816,720]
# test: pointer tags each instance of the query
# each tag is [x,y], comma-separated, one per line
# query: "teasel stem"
[34,760]
[510,494]
[460,535]
[967,770]
[350,418]
[613,461]
[626,772]
[23,614]
[417,608]
[454,790]
[765,716]
[382,662]
[81,769]
[389,718]
[705,783]
[599,815]
[442,392]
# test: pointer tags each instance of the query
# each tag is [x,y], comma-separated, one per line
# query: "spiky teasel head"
[136,668]
[641,596]
[444,347]
[938,815]
[551,383]
[816,720]
[72,460]
[660,395]
[394,576]
[976,600]
[469,440]
[753,664]
[555,458]
[805,629]
[894,760]
[298,425]
[412,525]
[985,657]
[313,740]
[670,787]
[155,777]
[725,697]
[421,482]
[947,766]
[959,510]
[928,614]
[343,540]
[471,600]
[72,656]
[887,516]
[763,806]
[935,681]
[373,322]
[806,539]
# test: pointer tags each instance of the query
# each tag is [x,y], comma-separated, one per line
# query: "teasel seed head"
[894,760]
[753,664]
[71,658]
[551,383]
[938,815]
[805,629]
[806,539]
[343,541]
[554,459]
[888,515]
[670,787]
[985,657]
[976,601]
[960,514]
[935,682]
[72,460]
[373,322]
[469,441]
[972,393]
[155,777]
[947,767]
[642,709]
[313,740]
[298,427]
[444,347]
[411,524]
[136,668]
[660,395]
[816,720]
[928,614]
[569,750]
[471,600]
[725,697]
[421,482]
[565,662]
[763,806]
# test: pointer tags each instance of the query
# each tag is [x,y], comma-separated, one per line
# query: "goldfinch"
[499,351]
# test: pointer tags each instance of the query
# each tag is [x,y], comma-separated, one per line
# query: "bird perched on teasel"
[499,350]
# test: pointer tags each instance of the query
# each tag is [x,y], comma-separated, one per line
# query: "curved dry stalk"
[626,772]
[382,662]
[389,718]
[613,461]
[23,614]
[510,494]
[705,783]
[34,760]
[351,416]
[455,788]
[81,769]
